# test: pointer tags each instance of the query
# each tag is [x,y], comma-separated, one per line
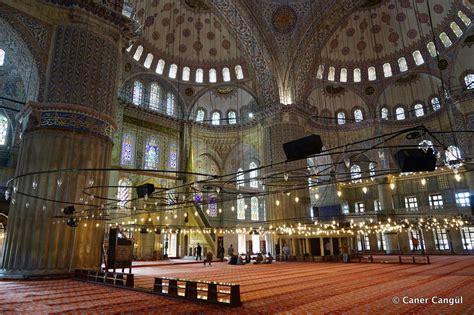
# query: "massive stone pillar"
[72,129]
[292,204]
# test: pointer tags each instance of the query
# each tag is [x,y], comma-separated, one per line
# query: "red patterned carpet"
[282,287]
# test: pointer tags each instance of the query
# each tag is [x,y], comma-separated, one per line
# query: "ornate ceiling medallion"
[198,5]
[284,19]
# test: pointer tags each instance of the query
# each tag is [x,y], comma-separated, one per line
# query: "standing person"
[230,251]
[220,252]
[415,243]
[198,252]
[327,248]
[286,252]
[345,252]
[208,258]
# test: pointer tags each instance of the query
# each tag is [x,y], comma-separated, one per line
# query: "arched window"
[320,72]
[200,115]
[3,129]
[419,111]
[216,118]
[240,207]
[232,117]
[239,73]
[372,74]
[456,29]
[435,103]
[387,70]
[253,175]
[173,71]
[2,57]
[160,66]
[400,113]
[254,209]
[212,75]
[199,75]
[372,169]
[357,75]
[128,149]
[341,118]
[445,39]
[148,61]
[173,156]
[358,116]
[452,154]
[331,73]
[151,154]
[240,178]
[384,113]
[418,58]
[464,18]
[186,74]
[469,80]
[356,173]
[226,74]
[343,76]
[402,64]
[170,100]
[138,53]
[155,94]
[124,192]
[431,49]
[137,93]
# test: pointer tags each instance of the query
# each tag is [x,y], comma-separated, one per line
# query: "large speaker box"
[145,189]
[416,160]
[302,148]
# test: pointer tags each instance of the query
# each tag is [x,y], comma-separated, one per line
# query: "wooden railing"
[213,292]
[110,278]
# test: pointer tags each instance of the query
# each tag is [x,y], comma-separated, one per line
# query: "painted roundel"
[284,19]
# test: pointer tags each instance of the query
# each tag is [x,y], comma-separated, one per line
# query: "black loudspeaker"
[416,160]
[145,189]
[69,210]
[302,148]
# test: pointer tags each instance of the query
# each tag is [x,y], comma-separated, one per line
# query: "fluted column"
[72,129]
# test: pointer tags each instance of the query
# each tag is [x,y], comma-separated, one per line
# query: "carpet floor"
[291,287]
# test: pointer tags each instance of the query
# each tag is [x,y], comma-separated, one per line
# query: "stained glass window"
[372,74]
[445,39]
[240,208]
[239,73]
[465,19]
[402,64]
[151,154]
[173,157]
[319,74]
[431,49]
[387,70]
[160,66]
[216,118]
[372,169]
[253,175]
[357,75]
[341,118]
[400,113]
[173,71]
[240,177]
[137,93]
[419,111]
[469,80]
[331,73]
[254,208]
[343,75]
[200,115]
[128,149]
[212,203]
[226,74]
[2,57]
[356,173]
[418,58]
[186,73]
[212,75]
[435,103]
[232,117]
[170,104]
[155,93]
[138,53]
[199,75]
[124,193]
[384,113]
[456,29]
[3,129]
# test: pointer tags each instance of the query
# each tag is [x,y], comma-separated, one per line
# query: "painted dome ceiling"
[186,32]
[380,30]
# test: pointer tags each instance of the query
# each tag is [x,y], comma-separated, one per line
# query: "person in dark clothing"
[198,252]
[221,252]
